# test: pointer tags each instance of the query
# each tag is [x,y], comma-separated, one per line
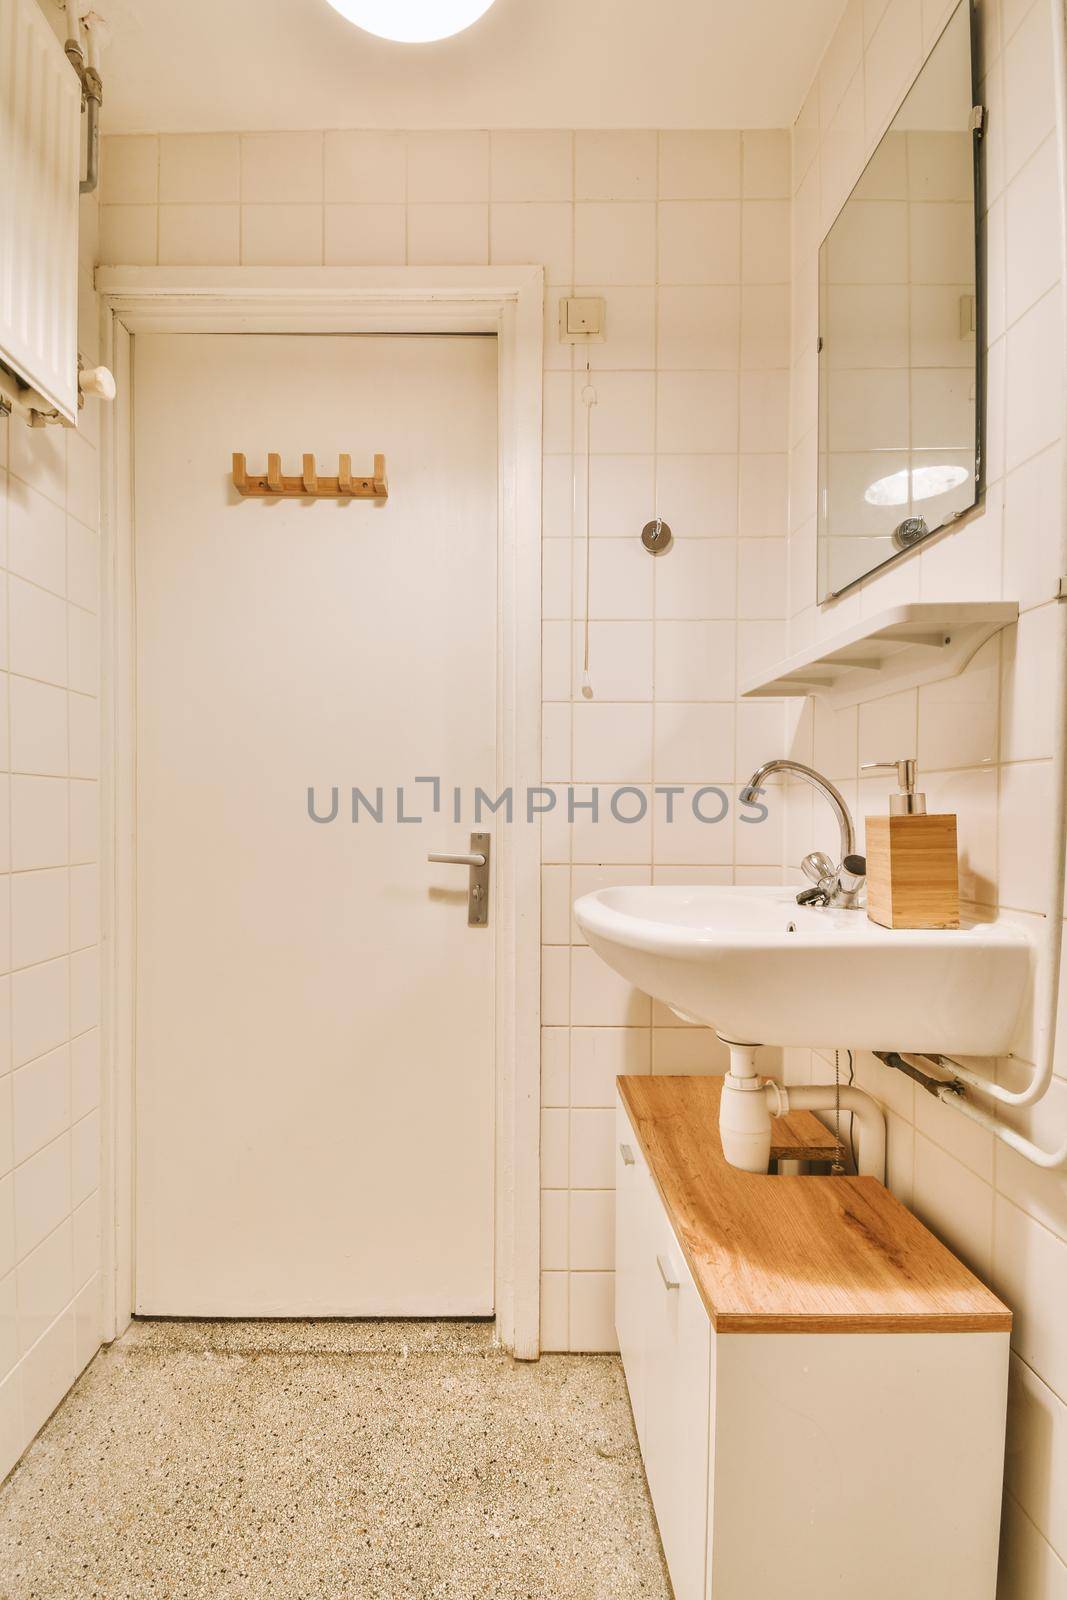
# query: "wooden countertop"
[795,1254]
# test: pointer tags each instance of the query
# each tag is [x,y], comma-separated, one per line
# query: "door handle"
[477,863]
[626,1151]
[668,1274]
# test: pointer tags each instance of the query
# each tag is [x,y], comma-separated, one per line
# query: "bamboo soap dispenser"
[912,860]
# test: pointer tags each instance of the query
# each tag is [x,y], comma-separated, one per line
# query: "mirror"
[900,325]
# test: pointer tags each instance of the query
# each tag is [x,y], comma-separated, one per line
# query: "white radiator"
[40,156]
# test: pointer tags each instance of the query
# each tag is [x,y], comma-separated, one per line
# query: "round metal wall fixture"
[656,536]
[913,530]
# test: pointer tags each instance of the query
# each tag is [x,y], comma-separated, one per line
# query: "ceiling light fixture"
[412,21]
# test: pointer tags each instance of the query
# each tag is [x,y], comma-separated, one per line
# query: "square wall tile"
[364,168]
[592,1230]
[615,165]
[698,581]
[278,168]
[599,1056]
[623,418]
[700,241]
[197,235]
[199,168]
[615,242]
[555,1289]
[83,565]
[129,169]
[592,1311]
[765,164]
[128,236]
[592,1149]
[448,167]
[699,166]
[38,823]
[38,728]
[365,235]
[700,327]
[534,234]
[40,912]
[36,537]
[45,1285]
[765,242]
[84,722]
[42,1195]
[41,1102]
[612,743]
[698,411]
[531,166]
[281,235]
[448,235]
[693,742]
[698,493]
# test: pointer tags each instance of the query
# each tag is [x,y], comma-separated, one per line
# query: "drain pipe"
[749,1102]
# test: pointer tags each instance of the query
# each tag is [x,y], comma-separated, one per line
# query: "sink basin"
[756,967]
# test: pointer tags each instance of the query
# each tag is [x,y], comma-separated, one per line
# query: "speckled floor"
[328,1461]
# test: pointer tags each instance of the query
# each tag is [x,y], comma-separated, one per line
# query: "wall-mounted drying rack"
[273,482]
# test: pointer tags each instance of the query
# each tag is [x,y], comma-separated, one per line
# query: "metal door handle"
[666,1272]
[477,861]
[627,1154]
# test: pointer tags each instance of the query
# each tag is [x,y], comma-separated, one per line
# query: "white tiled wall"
[49,907]
[984,739]
[687,237]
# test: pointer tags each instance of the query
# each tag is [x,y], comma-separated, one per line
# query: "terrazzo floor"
[330,1461]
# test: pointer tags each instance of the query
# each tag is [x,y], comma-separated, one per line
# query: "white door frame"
[507,301]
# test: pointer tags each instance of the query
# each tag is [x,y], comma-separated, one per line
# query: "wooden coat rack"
[309,485]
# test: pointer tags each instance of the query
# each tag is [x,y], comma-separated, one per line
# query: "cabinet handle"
[627,1155]
[666,1272]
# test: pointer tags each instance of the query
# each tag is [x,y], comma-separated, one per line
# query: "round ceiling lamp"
[412,21]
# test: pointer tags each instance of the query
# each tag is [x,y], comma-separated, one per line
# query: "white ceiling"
[203,64]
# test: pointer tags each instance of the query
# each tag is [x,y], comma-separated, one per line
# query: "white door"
[314,1015]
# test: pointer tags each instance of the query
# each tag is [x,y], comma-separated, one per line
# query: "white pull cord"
[589,400]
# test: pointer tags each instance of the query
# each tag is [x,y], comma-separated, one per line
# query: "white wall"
[50,919]
[687,237]
[983,740]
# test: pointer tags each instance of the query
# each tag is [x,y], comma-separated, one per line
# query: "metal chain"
[838,1168]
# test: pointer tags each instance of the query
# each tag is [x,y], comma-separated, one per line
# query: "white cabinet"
[819,1464]
[633,1211]
[666,1343]
[678,1346]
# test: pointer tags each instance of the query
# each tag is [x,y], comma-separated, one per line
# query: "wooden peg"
[311,476]
[344,475]
[274,474]
[240,473]
[381,483]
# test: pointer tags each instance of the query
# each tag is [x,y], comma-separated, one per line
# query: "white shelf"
[898,649]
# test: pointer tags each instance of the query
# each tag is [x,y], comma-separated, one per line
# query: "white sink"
[756,967]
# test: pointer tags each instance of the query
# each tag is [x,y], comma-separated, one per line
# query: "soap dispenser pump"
[912,859]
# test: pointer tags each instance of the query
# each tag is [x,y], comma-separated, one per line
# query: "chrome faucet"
[840,885]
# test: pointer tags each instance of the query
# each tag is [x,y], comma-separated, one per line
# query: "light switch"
[581,320]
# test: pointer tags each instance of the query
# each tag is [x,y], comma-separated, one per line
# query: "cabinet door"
[677,1400]
[633,1201]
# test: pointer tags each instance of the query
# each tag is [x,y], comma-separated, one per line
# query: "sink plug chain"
[838,1167]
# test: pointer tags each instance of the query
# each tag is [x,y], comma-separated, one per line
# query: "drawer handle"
[666,1272]
[627,1155]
